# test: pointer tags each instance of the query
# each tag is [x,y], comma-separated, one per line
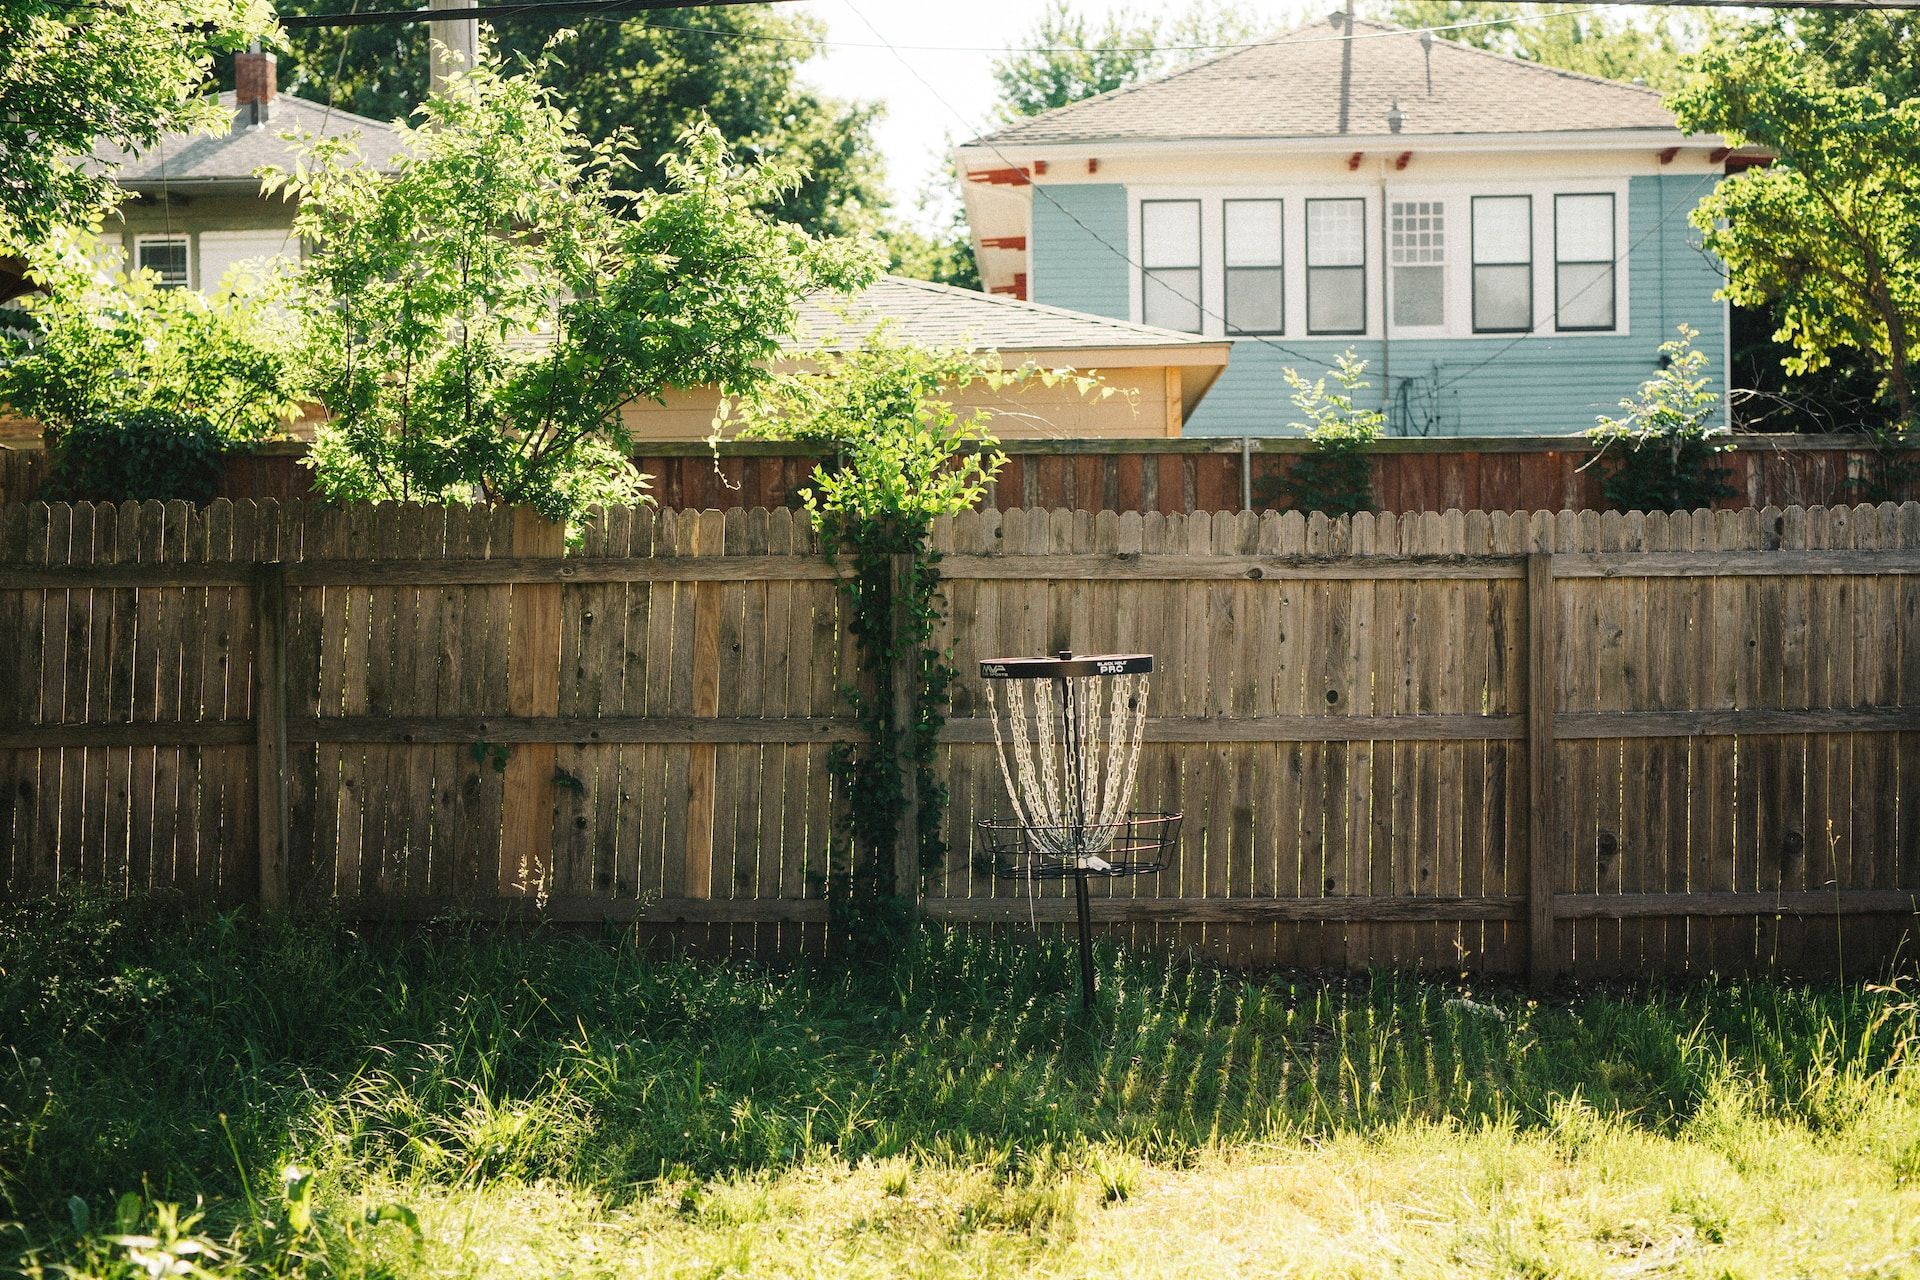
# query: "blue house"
[1506,244]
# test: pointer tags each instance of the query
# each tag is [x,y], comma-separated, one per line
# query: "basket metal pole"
[1086,940]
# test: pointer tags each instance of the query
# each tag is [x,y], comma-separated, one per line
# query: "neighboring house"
[1158,376]
[1507,244]
[195,207]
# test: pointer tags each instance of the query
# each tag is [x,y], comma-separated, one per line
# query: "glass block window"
[1417,243]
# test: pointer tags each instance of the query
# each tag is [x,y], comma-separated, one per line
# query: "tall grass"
[193,1063]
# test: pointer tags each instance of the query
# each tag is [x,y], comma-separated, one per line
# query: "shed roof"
[941,315]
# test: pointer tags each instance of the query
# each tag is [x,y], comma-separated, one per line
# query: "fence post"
[1541,815]
[904,714]
[533,689]
[270,729]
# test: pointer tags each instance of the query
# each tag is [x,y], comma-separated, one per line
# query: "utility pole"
[455,43]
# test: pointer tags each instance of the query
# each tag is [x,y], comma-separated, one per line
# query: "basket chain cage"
[1069,751]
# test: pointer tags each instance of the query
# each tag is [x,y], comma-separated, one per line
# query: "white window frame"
[1364,267]
[1199,268]
[1531,262]
[183,238]
[1615,262]
[1227,268]
[1456,193]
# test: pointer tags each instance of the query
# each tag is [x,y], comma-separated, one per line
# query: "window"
[165,256]
[1583,262]
[1336,266]
[1170,262]
[1502,264]
[1256,278]
[1417,241]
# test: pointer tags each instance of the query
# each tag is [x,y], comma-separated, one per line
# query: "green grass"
[280,1099]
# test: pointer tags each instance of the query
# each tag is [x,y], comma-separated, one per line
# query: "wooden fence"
[409,711]
[1173,477]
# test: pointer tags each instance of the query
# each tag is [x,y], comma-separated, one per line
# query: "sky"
[953,56]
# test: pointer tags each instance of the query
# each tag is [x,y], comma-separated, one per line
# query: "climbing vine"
[902,455]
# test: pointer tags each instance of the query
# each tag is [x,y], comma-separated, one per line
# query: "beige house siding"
[205,220]
[1150,398]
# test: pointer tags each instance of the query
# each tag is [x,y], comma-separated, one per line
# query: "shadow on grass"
[133,1044]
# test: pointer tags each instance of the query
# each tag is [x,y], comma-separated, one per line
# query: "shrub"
[101,343]
[1659,454]
[150,453]
[1336,477]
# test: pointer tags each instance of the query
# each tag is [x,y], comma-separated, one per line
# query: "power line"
[540,8]
[399,17]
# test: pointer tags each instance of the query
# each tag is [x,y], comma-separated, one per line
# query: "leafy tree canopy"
[123,72]
[1066,56]
[1614,44]
[1826,234]
[653,76]
[477,321]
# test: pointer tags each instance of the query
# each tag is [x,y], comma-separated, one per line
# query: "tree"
[1065,56]
[477,321]
[1827,233]
[1610,44]
[735,67]
[1878,49]
[123,72]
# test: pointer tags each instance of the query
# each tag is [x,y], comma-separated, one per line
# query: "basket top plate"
[1064,666]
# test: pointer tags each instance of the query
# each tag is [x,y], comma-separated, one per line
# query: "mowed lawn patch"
[302,1098]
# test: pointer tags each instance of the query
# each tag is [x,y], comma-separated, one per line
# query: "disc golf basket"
[1068,733]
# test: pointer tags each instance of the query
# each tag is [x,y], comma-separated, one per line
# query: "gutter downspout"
[1386,317]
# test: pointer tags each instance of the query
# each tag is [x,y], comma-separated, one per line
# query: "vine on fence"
[903,457]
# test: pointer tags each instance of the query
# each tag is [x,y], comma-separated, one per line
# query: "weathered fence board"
[1596,745]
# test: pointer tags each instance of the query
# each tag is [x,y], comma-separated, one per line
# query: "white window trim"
[1457,195]
[168,237]
[1449,251]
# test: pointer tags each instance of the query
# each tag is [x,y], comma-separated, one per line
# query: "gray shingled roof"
[941,315]
[1299,85]
[238,154]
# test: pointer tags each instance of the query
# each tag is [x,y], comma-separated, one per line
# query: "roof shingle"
[243,150]
[942,316]
[1313,82]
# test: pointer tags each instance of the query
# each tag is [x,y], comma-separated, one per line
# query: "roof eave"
[1068,149]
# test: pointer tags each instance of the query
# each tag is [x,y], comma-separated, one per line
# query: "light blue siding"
[1072,268]
[1544,384]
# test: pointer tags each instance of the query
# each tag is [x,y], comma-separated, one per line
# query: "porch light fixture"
[1395,117]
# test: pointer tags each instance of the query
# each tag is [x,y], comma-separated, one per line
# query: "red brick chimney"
[254,78]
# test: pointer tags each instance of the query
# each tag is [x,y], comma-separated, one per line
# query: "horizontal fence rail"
[411,713]
[1172,476]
